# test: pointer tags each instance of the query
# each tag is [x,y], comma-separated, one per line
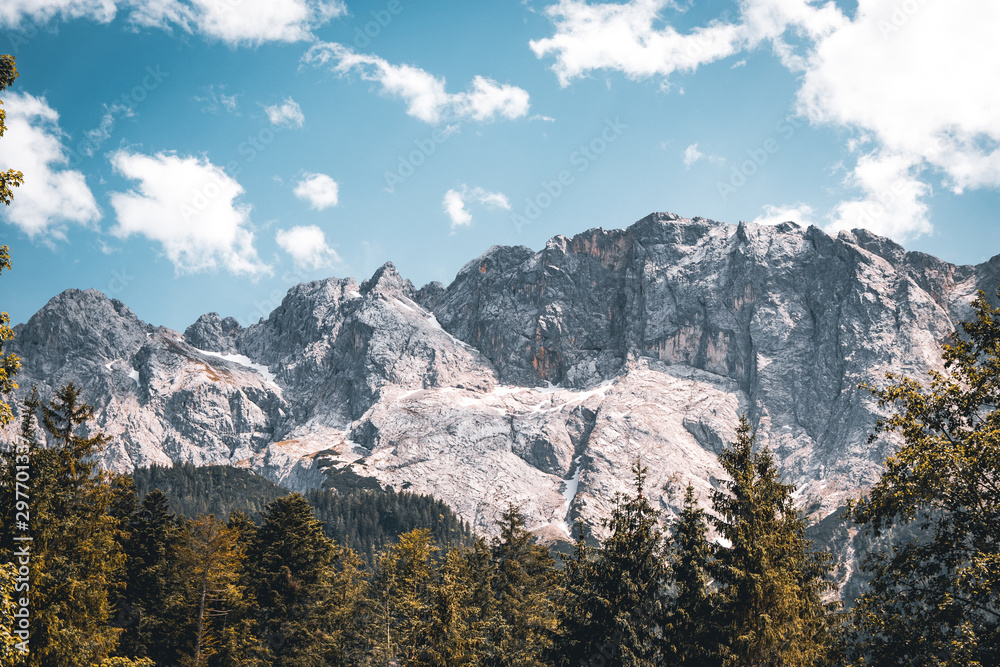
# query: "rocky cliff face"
[535,377]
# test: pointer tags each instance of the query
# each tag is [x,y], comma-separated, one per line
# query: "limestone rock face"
[535,377]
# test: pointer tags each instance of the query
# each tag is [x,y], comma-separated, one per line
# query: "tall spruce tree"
[145,609]
[935,600]
[771,582]
[524,583]
[690,633]
[620,603]
[288,575]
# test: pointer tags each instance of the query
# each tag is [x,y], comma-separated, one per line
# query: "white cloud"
[190,207]
[455,201]
[624,37]
[15,13]
[907,79]
[319,190]
[308,247]
[51,195]
[801,214]
[893,198]
[236,22]
[425,94]
[286,114]
[692,155]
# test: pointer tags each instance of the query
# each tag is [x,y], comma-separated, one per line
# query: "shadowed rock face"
[535,377]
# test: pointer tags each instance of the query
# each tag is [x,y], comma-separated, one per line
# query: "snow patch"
[134,374]
[572,485]
[243,360]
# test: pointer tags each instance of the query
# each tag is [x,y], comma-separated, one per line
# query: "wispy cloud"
[235,22]
[425,95]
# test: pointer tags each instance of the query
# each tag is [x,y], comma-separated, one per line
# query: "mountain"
[534,377]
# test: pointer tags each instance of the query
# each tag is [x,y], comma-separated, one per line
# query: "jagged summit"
[535,377]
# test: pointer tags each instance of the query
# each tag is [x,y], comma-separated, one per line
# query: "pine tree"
[402,587]
[76,553]
[209,559]
[348,611]
[620,601]
[935,600]
[288,575]
[572,645]
[454,637]
[524,584]
[152,541]
[689,632]
[770,582]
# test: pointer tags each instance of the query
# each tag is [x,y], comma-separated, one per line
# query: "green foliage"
[288,575]
[935,599]
[76,556]
[8,598]
[770,581]
[689,627]
[220,490]
[10,178]
[147,608]
[371,521]
[618,595]
[366,521]
[10,364]
[525,586]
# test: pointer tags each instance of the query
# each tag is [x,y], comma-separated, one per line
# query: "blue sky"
[188,156]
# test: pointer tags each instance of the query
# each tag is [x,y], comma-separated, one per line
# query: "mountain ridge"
[534,373]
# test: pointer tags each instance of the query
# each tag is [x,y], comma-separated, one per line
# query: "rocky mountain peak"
[387,282]
[210,332]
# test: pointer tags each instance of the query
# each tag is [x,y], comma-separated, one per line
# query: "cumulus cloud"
[286,114]
[319,190]
[190,207]
[801,214]
[425,95]
[308,247]
[456,200]
[247,22]
[906,78]
[51,195]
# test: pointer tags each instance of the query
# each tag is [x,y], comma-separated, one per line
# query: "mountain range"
[535,377]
